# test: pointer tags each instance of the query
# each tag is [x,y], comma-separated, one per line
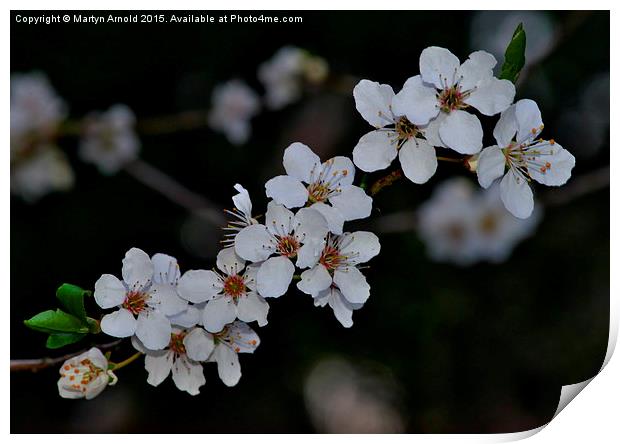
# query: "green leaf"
[72,299]
[58,321]
[514,58]
[58,340]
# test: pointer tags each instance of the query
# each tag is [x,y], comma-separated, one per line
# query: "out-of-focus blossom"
[109,140]
[233,104]
[492,31]
[525,157]
[183,356]
[85,375]
[464,225]
[37,165]
[342,398]
[235,338]
[285,74]
[308,181]
[439,96]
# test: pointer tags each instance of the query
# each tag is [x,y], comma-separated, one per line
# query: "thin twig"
[33,365]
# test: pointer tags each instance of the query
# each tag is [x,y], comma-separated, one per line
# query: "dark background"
[479,349]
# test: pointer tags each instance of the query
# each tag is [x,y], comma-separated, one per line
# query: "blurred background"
[445,344]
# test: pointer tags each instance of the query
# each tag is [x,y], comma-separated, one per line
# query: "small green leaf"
[514,58]
[93,325]
[58,340]
[72,299]
[58,321]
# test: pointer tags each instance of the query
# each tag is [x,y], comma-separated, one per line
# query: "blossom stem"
[385,181]
[297,277]
[450,159]
[126,362]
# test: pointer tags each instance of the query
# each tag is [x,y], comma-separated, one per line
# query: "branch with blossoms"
[181,321]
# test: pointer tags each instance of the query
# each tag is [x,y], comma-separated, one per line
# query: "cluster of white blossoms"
[433,110]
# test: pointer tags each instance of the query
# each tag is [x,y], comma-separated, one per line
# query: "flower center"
[135,301]
[456,232]
[234,286]
[405,129]
[488,223]
[317,192]
[331,258]
[451,99]
[176,343]
[82,375]
[287,246]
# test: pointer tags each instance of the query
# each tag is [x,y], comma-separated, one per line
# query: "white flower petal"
[342,310]
[517,195]
[287,191]
[249,277]
[254,243]
[352,284]
[312,225]
[218,313]
[158,366]
[492,96]
[477,68]
[244,339]
[165,298]
[462,132]
[333,216]
[418,160]
[165,269]
[343,168]
[188,318]
[242,200]
[228,367]
[153,329]
[199,285]
[309,253]
[529,120]
[279,220]
[438,66]
[198,344]
[360,246]
[109,291]
[252,307]
[506,127]
[137,268]
[188,376]
[491,165]
[274,277]
[417,101]
[558,164]
[375,151]
[431,131]
[352,202]
[299,161]
[315,280]
[229,262]
[120,324]
[372,101]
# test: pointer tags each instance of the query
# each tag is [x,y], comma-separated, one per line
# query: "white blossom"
[235,338]
[242,215]
[395,135]
[525,156]
[109,140]
[444,89]
[183,356]
[85,375]
[334,277]
[285,236]
[233,106]
[230,293]
[308,181]
[149,291]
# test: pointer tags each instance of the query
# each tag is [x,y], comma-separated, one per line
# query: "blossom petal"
[352,202]
[274,276]
[228,367]
[229,262]
[137,268]
[243,338]
[299,161]
[153,329]
[431,131]
[438,66]
[309,253]
[506,127]
[188,376]
[166,299]
[254,243]
[199,285]
[165,269]
[253,307]
[417,101]
[198,344]
[218,313]
[188,318]
[109,291]
[158,366]
[342,310]
[558,164]
[462,132]
[375,151]
[333,216]
[287,191]
[372,101]
[491,165]
[418,160]
[352,284]
[315,280]
[360,246]
[120,324]
[477,68]
[517,195]
[492,96]
[342,167]
[279,220]
[312,225]
[529,120]
[242,200]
